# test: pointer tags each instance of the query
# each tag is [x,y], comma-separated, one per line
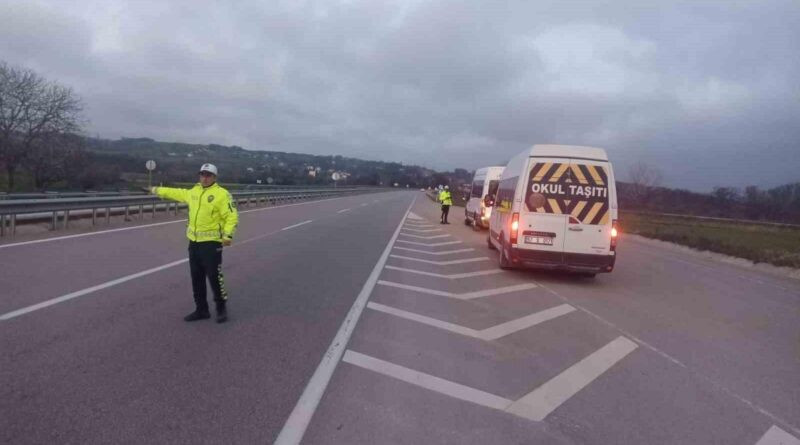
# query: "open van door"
[589,207]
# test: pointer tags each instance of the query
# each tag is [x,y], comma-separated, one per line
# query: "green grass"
[779,246]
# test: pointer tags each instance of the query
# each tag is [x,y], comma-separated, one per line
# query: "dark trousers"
[445,212]
[205,261]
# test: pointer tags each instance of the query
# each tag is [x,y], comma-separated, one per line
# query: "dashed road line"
[344,210]
[492,333]
[454,276]
[444,243]
[542,401]
[426,237]
[297,225]
[777,436]
[422,230]
[461,296]
[444,252]
[441,263]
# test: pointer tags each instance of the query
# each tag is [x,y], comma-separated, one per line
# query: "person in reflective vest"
[212,223]
[447,200]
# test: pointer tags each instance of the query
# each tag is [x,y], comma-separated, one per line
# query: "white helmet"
[447,187]
[211,168]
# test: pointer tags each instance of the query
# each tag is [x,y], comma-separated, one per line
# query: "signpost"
[150,166]
[336,177]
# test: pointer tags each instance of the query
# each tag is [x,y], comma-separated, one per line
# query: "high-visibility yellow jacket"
[212,211]
[445,198]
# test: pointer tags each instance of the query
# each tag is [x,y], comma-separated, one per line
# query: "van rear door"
[542,218]
[589,222]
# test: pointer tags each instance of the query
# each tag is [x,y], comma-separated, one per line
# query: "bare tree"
[32,110]
[644,179]
[53,158]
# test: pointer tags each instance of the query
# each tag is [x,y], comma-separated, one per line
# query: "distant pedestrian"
[212,224]
[447,200]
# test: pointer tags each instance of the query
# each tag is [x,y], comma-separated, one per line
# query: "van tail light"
[514,228]
[614,234]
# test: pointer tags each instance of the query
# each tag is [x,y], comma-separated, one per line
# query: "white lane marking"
[492,333]
[525,322]
[88,290]
[364,204]
[445,243]
[422,230]
[426,237]
[297,225]
[452,327]
[441,263]
[443,252]
[462,296]
[426,381]
[543,400]
[344,210]
[412,215]
[777,436]
[677,362]
[101,232]
[454,276]
[297,423]
[418,223]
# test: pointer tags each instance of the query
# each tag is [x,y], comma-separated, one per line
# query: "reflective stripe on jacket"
[212,211]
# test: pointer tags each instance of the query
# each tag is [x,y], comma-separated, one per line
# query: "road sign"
[270,180]
[150,165]
[336,176]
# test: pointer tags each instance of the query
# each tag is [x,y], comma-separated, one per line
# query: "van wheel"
[503,262]
[475,225]
[466,222]
[489,243]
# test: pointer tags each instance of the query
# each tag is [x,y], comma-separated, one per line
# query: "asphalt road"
[670,348]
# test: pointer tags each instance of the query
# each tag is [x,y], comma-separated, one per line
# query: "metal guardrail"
[55,209]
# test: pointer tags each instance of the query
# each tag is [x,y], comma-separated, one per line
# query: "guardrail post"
[127,213]
[154,210]
[141,211]
[13,224]
[94,217]
[66,219]
[108,215]
[55,220]
[2,225]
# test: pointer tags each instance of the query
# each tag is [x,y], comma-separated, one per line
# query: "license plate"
[546,240]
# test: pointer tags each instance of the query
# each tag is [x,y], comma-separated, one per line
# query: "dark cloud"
[705,90]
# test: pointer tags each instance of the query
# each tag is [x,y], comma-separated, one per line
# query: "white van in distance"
[484,184]
[556,208]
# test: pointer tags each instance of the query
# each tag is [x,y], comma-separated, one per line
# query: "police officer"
[447,200]
[212,224]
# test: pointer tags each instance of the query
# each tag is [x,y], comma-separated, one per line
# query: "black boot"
[222,313]
[197,315]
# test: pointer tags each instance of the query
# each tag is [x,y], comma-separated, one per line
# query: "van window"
[493,188]
[505,193]
[576,189]
[477,189]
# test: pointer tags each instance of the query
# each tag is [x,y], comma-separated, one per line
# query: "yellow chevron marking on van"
[592,213]
[541,173]
[559,172]
[578,208]
[579,174]
[554,205]
[595,175]
[604,219]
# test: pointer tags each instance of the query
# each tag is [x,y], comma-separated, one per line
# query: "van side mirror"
[488,201]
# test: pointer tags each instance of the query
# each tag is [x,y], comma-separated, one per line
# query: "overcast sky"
[707,91]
